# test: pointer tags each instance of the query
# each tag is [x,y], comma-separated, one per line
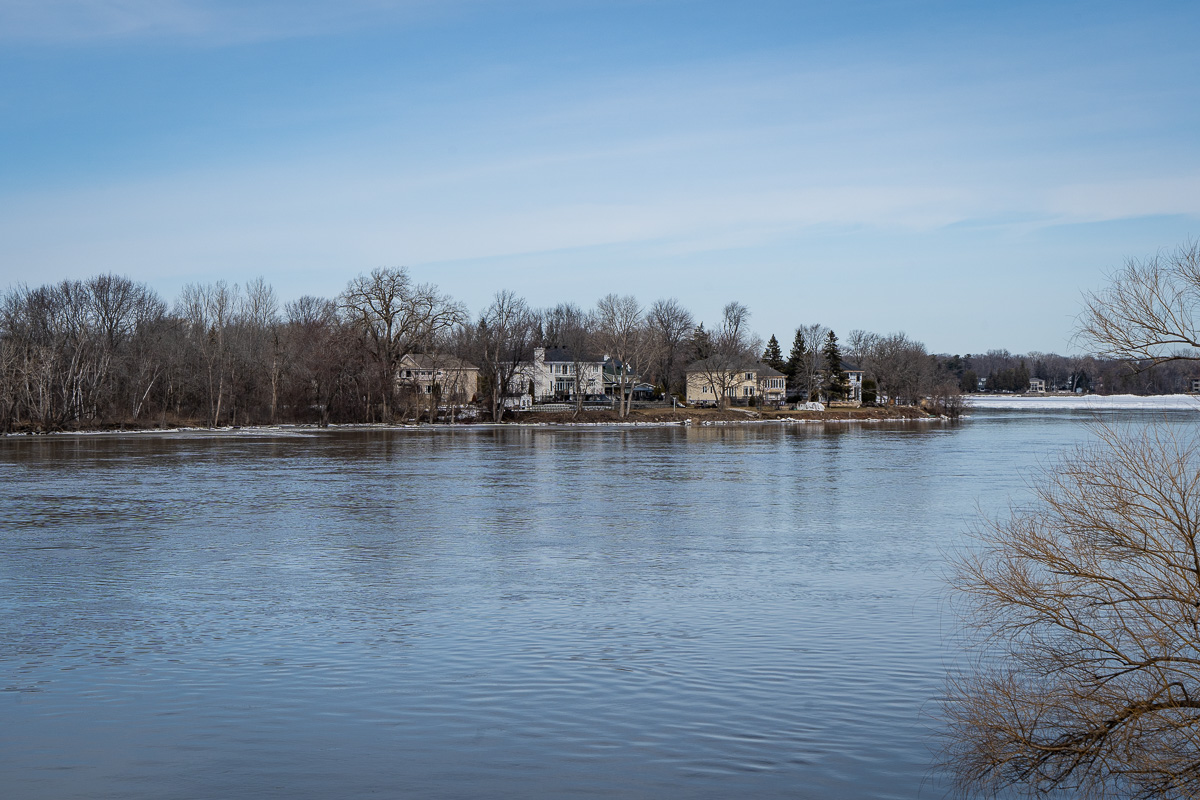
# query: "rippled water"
[705,612]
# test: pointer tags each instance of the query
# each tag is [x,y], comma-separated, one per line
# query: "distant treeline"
[109,351]
[1001,371]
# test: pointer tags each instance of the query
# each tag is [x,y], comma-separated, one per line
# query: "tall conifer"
[701,343]
[835,379]
[773,356]
[795,358]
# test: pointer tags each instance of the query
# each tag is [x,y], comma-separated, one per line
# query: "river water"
[518,612]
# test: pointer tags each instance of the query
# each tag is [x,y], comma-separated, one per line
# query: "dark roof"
[430,361]
[564,355]
[741,365]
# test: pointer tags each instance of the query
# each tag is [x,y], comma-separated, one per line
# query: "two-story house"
[457,381]
[716,381]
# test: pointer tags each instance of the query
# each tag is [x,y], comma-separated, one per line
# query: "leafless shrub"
[1087,609]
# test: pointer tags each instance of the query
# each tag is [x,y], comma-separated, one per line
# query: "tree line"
[108,351]
[1002,371]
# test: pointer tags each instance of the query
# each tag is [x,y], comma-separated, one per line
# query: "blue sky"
[959,171]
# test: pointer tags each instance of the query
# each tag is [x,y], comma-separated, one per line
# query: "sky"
[959,171]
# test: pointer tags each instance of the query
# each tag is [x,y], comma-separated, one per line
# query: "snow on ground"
[1086,402]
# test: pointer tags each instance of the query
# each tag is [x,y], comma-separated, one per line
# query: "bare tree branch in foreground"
[1087,605]
[1148,314]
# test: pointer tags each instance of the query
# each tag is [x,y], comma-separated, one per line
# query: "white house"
[854,382]
[551,377]
[554,378]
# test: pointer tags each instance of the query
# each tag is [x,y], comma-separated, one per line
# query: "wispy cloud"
[207,21]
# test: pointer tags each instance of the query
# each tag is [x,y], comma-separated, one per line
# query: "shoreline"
[685,421]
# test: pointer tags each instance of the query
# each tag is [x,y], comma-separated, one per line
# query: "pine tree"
[773,356]
[701,343]
[795,358]
[835,379]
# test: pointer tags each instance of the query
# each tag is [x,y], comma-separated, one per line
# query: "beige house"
[710,380]
[457,381]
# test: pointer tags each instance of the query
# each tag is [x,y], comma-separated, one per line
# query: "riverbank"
[723,416]
[636,418]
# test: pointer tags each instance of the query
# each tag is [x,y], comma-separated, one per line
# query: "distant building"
[1037,386]
[710,379]
[854,382]
[456,380]
[554,378]
[551,377]
[1195,386]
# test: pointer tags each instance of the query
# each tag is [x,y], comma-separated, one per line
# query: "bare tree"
[395,318]
[264,342]
[621,331]
[900,367]
[1088,607]
[208,311]
[568,326]
[1148,314]
[506,332]
[9,380]
[319,348]
[670,327]
[859,345]
[1087,602]
[730,348]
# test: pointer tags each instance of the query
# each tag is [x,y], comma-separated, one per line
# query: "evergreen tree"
[795,358]
[701,343]
[870,391]
[835,379]
[773,356]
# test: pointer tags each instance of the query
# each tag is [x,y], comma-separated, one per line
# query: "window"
[749,376]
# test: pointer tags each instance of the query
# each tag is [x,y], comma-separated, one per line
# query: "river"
[754,610]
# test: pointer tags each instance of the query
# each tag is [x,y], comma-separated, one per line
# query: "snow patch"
[1086,402]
